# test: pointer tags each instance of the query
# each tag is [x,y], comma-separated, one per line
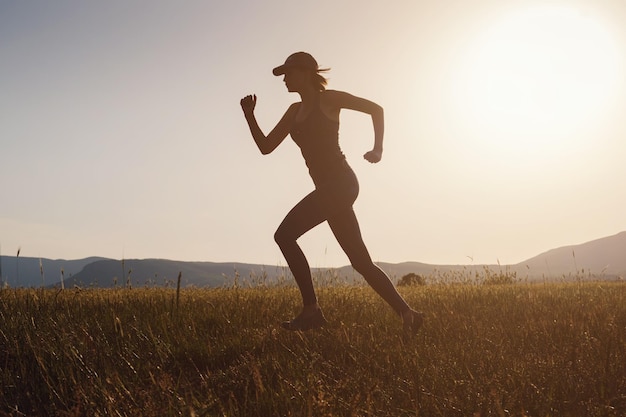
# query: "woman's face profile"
[295,79]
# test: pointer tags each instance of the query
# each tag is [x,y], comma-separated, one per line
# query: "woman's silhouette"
[313,123]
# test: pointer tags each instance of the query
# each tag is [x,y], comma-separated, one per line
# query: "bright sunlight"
[535,78]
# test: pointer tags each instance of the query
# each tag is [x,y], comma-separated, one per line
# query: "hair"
[319,81]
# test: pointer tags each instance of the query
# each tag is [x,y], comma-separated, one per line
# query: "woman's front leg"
[301,218]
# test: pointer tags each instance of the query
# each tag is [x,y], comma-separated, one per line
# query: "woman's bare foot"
[310,318]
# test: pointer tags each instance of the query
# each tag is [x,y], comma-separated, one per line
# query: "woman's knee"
[365,267]
[282,237]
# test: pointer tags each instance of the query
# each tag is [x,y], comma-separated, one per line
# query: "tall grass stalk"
[17,267]
[123,272]
[176,301]
[180,274]
[43,284]
[128,280]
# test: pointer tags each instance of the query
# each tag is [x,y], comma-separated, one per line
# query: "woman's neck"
[309,95]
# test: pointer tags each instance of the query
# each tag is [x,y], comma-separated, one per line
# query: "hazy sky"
[122,136]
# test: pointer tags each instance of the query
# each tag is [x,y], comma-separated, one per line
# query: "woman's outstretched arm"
[342,100]
[270,142]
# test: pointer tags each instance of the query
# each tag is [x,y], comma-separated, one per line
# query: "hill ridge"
[602,258]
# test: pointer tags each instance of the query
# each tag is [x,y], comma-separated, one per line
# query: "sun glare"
[536,77]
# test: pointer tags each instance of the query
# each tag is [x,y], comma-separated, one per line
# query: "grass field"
[485,350]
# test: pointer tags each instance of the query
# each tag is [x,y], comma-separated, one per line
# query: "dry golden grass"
[486,350]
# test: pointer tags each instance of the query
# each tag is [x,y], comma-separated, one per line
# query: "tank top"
[317,136]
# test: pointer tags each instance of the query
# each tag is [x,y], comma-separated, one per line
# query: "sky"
[122,135]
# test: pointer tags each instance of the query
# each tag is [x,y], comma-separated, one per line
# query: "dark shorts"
[338,192]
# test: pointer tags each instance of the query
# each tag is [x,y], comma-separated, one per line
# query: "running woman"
[313,124]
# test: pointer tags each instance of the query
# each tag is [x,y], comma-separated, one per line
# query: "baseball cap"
[301,60]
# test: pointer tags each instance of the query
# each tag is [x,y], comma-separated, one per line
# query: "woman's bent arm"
[266,144]
[342,100]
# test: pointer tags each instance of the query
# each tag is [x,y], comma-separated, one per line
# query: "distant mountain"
[25,271]
[161,272]
[600,259]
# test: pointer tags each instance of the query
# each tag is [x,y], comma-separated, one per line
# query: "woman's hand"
[373,156]
[248,103]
